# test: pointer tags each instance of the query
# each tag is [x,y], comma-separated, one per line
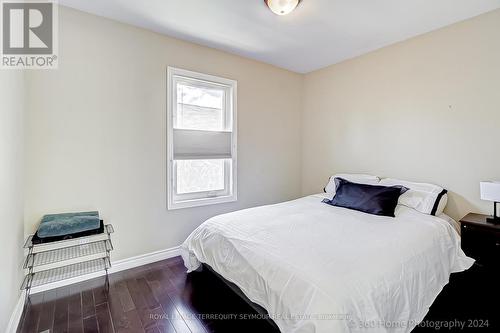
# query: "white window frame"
[229,194]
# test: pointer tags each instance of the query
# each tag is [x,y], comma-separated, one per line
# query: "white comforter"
[319,268]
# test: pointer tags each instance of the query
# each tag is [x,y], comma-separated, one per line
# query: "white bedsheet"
[319,268]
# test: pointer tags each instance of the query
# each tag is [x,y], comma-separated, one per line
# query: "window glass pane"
[200,175]
[200,108]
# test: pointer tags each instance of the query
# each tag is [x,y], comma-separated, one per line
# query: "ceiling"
[317,34]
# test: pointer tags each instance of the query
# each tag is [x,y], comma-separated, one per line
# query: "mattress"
[319,268]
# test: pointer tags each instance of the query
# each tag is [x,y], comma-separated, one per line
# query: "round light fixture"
[282,7]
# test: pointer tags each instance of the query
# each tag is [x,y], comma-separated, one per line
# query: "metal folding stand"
[53,262]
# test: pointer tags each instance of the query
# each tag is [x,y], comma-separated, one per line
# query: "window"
[201,139]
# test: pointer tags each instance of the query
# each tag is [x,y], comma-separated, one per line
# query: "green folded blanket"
[68,223]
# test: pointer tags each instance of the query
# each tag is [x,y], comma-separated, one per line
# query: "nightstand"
[481,240]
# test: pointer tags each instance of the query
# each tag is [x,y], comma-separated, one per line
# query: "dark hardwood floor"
[471,299]
[158,297]
[161,297]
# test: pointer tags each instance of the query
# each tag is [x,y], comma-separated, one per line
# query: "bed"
[319,268]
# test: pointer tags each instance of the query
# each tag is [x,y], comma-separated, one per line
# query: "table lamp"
[490,191]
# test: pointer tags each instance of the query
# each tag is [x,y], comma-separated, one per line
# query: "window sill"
[201,202]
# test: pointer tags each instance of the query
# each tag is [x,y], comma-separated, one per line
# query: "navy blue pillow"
[371,199]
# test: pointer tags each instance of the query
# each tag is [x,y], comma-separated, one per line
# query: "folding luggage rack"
[61,260]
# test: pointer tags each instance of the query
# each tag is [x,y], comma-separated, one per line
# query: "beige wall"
[96,131]
[427,109]
[11,196]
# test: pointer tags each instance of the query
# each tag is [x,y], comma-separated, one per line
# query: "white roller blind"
[196,144]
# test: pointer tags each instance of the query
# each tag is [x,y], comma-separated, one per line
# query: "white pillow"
[352,177]
[425,198]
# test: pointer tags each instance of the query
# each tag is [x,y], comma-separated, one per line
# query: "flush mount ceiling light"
[282,7]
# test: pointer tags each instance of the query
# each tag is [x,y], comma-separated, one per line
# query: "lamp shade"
[490,191]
